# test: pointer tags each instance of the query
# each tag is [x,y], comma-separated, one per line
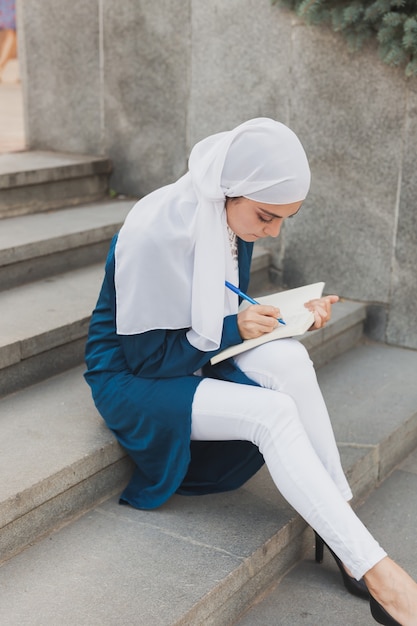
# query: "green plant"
[392,22]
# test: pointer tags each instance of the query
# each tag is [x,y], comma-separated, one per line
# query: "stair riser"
[260,279]
[24,530]
[362,475]
[335,346]
[395,448]
[41,267]
[41,197]
[41,366]
[374,467]
[264,568]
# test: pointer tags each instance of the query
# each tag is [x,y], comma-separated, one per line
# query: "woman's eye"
[264,219]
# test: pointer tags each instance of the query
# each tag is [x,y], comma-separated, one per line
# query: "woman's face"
[251,220]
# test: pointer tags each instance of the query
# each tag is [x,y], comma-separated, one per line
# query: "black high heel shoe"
[355,587]
[380,615]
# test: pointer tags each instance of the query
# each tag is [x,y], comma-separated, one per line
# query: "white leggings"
[287,419]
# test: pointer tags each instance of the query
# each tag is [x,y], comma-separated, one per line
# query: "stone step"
[44,244]
[65,478]
[33,181]
[44,326]
[45,323]
[196,560]
[67,461]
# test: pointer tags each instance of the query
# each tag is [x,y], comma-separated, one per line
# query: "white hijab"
[173,254]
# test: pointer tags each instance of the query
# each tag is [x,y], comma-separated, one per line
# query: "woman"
[164,311]
[8,39]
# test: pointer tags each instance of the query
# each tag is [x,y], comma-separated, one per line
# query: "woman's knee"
[276,361]
[288,351]
[292,351]
[279,412]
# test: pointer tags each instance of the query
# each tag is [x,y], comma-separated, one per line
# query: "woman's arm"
[167,353]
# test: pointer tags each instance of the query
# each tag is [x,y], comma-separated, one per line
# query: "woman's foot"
[394,590]
[356,587]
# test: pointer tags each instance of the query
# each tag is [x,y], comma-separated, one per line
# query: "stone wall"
[142,81]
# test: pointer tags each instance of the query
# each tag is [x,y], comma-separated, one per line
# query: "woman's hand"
[322,309]
[256,320]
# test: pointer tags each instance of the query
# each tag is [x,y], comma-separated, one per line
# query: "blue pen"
[246,297]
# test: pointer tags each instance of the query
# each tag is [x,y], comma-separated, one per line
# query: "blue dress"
[143,386]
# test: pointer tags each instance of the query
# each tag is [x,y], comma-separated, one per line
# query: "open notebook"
[291,304]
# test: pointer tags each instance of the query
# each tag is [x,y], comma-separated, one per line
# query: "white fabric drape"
[173,254]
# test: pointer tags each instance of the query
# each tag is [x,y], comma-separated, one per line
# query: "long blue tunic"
[143,386]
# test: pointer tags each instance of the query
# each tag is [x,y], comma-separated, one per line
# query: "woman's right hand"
[256,320]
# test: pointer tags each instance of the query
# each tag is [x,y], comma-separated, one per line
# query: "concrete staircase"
[51,267]
[69,553]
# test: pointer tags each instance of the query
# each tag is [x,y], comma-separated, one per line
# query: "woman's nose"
[273,229]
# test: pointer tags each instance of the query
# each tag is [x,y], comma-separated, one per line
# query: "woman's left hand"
[322,309]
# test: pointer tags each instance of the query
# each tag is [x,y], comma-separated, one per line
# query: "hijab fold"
[173,254]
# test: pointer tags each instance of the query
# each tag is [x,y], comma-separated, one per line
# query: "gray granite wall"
[142,81]
[112,78]
[59,54]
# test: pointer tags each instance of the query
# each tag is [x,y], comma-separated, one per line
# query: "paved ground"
[12,134]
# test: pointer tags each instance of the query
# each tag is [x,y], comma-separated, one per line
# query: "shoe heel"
[356,587]
[319,549]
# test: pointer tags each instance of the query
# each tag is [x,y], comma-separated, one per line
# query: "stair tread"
[36,234]
[138,554]
[51,430]
[35,166]
[47,313]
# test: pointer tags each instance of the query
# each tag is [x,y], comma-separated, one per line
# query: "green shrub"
[392,22]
